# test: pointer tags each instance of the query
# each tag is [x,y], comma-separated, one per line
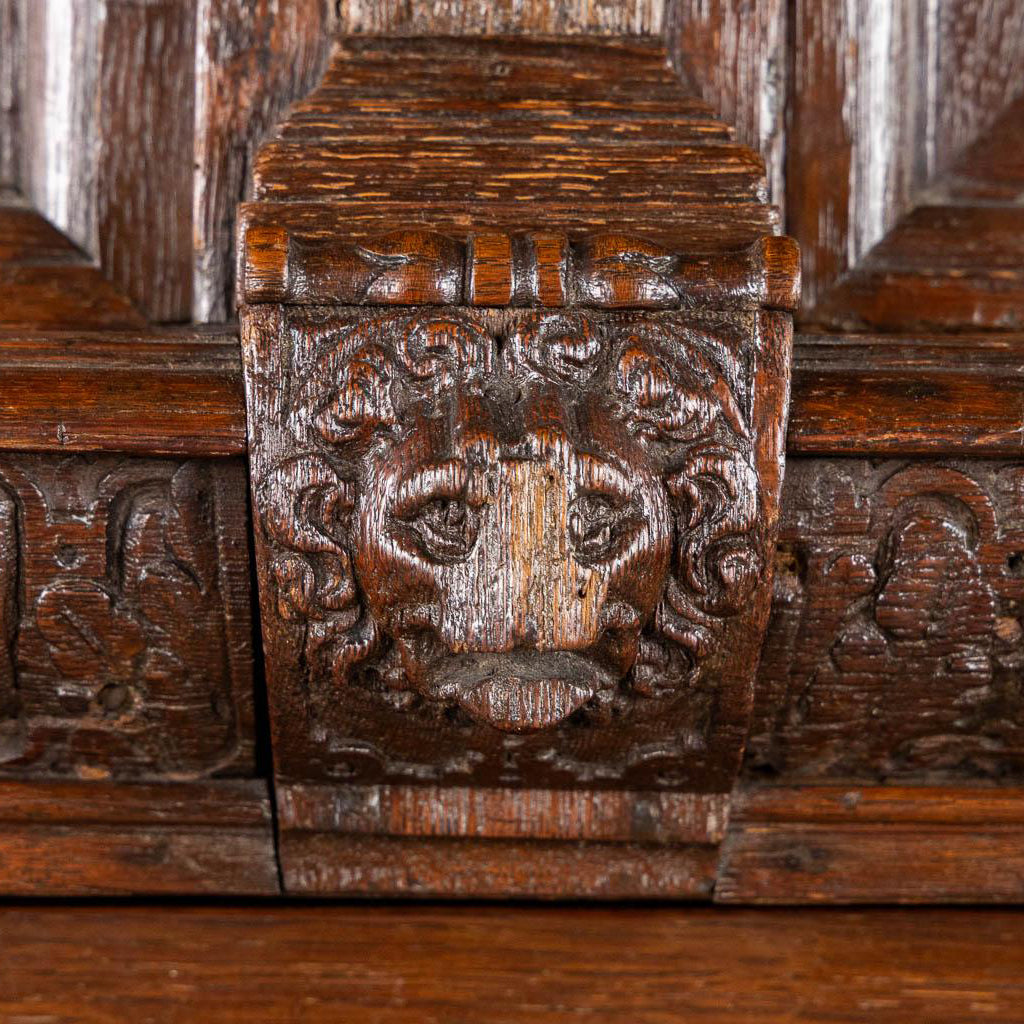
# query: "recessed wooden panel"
[895,645]
[131,631]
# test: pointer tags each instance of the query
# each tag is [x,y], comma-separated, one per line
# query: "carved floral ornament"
[520,519]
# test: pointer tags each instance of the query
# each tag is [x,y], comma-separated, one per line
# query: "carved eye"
[600,526]
[446,527]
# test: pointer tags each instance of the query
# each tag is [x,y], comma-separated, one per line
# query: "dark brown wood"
[144,166]
[895,644]
[103,838]
[874,844]
[133,653]
[11,85]
[884,101]
[502,269]
[180,392]
[517,535]
[442,841]
[98,965]
[734,55]
[382,597]
[939,269]
[252,60]
[145,392]
[46,282]
[510,126]
[954,394]
[498,17]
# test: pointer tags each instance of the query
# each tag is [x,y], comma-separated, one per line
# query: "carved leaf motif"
[87,634]
[621,270]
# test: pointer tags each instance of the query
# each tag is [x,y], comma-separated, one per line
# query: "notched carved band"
[418,267]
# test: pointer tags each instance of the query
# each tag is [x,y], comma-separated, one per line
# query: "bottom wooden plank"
[874,844]
[413,965]
[102,838]
[339,865]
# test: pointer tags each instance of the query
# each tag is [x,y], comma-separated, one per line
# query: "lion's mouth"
[521,691]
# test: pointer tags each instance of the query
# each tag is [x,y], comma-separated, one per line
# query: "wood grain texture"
[887,97]
[485,597]
[59,114]
[954,394]
[599,135]
[144,163]
[101,965]
[508,843]
[510,270]
[876,844]
[331,864]
[512,17]
[941,268]
[62,839]
[252,60]
[865,395]
[149,393]
[869,395]
[133,655]
[734,55]
[12,58]
[495,813]
[46,282]
[517,533]
[895,645]
[106,133]
[992,167]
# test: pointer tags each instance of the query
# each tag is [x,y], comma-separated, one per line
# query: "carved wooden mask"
[513,546]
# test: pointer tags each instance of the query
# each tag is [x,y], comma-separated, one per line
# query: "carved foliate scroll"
[512,547]
[124,619]
[895,648]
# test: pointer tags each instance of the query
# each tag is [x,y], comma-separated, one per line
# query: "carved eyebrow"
[440,480]
[603,477]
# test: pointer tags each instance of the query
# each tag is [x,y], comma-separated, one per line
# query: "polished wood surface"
[515,528]
[143,392]
[47,282]
[874,844]
[180,391]
[390,965]
[885,757]
[95,838]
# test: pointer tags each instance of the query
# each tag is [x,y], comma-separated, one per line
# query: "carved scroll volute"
[508,546]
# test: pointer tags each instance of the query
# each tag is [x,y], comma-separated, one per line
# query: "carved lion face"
[517,522]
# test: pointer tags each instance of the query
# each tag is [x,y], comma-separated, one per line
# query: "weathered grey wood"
[494,17]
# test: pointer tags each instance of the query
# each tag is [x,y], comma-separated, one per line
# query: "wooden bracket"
[516,488]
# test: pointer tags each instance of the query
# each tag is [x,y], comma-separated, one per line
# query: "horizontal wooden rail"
[179,392]
[506,965]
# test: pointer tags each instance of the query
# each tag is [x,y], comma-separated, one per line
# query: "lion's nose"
[523,586]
